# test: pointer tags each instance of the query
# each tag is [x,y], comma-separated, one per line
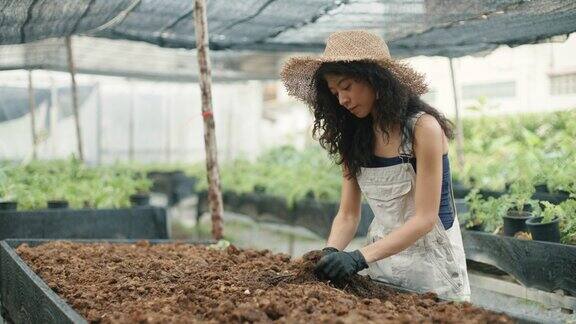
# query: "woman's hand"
[339,265]
[327,250]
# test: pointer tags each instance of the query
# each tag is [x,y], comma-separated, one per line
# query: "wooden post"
[459,128]
[31,106]
[212,172]
[74,89]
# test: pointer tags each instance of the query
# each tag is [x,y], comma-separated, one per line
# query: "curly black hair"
[349,139]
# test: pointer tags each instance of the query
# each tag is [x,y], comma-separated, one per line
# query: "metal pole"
[459,128]
[229,133]
[72,71]
[214,194]
[131,123]
[31,107]
[99,124]
[168,124]
[54,109]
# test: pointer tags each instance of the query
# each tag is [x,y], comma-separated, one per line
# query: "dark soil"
[185,283]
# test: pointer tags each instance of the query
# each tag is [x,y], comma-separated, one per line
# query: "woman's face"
[356,96]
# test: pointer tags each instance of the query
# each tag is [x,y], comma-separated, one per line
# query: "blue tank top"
[445,212]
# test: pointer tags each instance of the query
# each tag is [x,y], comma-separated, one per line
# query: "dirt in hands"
[183,283]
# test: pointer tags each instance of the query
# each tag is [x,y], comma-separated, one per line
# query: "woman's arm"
[346,221]
[428,150]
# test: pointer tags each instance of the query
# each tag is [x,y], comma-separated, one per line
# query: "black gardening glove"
[339,265]
[327,250]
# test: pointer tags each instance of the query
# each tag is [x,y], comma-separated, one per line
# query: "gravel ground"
[518,307]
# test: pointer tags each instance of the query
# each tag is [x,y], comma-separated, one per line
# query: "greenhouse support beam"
[131,116]
[99,124]
[31,106]
[212,172]
[72,71]
[168,126]
[53,116]
[459,128]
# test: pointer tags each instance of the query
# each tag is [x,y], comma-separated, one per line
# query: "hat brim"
[298,72]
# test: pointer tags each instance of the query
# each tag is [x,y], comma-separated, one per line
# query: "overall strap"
[407,150]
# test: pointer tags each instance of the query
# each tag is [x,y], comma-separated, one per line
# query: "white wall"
[529,66]
[165,114]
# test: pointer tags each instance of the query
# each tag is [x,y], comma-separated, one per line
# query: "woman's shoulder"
[425,122]
[427,126]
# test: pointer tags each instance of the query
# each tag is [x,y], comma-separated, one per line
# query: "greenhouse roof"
[411,27]
[136,60]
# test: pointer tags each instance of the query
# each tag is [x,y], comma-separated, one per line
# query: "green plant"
[551,212]
[568,222]
[282,171]
[487,212]
[141,183]
[535,147]
[34,183]
[520,195]
[7,187]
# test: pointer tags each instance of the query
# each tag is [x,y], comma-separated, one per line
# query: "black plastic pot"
[310,195]
[140,199]
[515,221]
[259,189]
[491,193]
[57,204]
[274,208]
[542,188]
[176,185]
[478,228]
[8,205]
[460,190]
[554,198]
[544,231]
[231,199]
[248,204]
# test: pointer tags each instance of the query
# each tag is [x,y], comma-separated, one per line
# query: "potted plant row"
[59,185]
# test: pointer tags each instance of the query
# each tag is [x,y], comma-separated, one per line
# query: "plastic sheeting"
[14,102]
[542,265]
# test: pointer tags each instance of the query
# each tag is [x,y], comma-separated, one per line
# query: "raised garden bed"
[543,265]
[144,222]
[317,216]
[64,282]
[176,185]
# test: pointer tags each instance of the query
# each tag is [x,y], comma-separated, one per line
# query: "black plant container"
[140,199]
[8,205]
[515,221]
[544,231]
[57,204]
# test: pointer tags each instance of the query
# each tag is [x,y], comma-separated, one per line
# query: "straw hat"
[354,45]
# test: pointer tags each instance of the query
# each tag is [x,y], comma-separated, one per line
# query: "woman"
[393,149]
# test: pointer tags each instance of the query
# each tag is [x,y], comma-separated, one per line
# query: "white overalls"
[436,261]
